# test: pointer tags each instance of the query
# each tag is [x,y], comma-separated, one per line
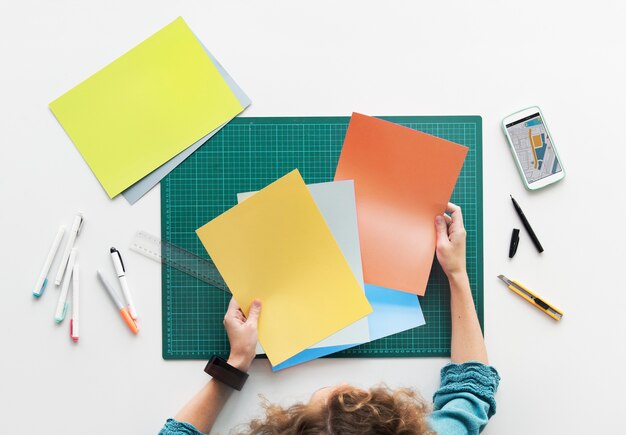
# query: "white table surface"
[324,58]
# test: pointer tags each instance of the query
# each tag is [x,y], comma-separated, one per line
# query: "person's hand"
[451,242]
[242,334]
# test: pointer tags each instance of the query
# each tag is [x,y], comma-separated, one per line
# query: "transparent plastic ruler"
[167,253]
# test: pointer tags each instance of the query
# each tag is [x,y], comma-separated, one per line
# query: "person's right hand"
[451,241]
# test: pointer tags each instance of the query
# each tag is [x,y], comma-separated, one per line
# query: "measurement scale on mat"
[187,262]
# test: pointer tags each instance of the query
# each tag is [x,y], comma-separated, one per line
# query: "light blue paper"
[143,186]
[394,311]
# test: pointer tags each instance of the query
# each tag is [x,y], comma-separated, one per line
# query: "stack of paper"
[139,117]
[393,311]
[298,248]
[277,247]
[336,203]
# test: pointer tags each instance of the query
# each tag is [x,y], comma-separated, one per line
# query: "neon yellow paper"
[146,107]
[276,246]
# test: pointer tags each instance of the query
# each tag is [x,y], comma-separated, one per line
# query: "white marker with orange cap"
[119,304]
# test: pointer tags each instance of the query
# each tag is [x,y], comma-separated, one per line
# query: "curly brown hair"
[349,411]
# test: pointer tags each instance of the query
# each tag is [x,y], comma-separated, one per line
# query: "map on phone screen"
[533,147]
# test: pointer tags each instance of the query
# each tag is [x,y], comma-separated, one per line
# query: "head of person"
[344,409]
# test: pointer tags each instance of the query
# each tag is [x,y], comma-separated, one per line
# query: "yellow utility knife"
[532,298]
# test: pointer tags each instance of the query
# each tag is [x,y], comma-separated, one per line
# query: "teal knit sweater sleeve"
[465,400]
[174,427]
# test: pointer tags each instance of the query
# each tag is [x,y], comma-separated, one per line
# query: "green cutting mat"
[249,153]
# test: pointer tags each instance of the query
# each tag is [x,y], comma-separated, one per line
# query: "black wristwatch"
[220,370]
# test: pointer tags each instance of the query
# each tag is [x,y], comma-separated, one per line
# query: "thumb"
[255,311]
[442,230]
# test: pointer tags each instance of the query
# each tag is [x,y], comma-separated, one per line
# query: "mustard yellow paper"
[146,107]
[276,246]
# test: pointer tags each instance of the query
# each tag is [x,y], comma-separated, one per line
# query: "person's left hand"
[242,333]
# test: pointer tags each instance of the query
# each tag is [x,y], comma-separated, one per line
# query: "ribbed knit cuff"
[471,377]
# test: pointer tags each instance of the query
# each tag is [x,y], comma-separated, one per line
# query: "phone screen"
[533,147]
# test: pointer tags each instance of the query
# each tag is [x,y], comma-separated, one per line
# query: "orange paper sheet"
[402,178]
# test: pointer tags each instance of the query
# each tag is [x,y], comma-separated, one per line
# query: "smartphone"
[533,148]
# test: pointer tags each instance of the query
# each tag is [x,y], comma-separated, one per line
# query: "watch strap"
[220,370]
